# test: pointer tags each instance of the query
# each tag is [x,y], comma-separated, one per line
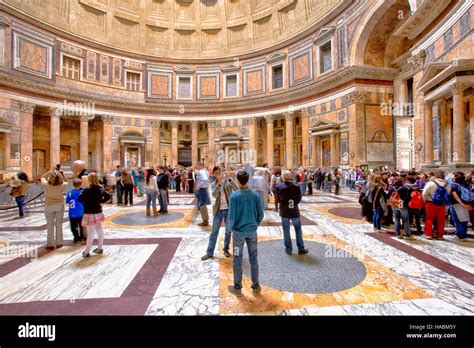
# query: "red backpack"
[416,201]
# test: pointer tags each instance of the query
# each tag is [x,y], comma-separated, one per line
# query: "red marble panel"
[33,56]
[301,67]
[159,85]
[254,81]
[208,86]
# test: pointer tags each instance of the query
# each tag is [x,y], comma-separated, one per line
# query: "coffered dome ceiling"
[184,28]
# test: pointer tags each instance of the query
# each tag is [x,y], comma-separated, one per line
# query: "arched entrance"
[132,149]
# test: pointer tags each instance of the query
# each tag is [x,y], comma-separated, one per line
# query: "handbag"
[15,192]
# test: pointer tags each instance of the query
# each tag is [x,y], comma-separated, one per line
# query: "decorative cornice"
[27,107]
[310,89]
[358,97]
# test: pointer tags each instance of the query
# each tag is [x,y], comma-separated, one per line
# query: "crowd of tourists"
[404,199]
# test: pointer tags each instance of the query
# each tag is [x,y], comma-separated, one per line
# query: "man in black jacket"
[289,196]
[163,181]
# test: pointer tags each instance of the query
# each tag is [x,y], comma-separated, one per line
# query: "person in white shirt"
[202,194]
[151,190]
[222,188]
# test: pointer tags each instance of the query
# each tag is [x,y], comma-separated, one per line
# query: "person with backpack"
[460,198]
[76,211]
[399,200]
[436,197]
[275,181]
[415,205]
[20,191]
[378,198]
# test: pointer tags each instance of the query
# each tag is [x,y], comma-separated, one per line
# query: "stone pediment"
[432,71]
[324,34]
[276,57]
[184,70]
[322,124]
[231,67]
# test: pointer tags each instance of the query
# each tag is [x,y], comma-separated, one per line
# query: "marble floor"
[152,266]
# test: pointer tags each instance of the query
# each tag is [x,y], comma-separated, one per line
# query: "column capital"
[107,119]
[27,107]
[458,88]
[194,124]
[252,120]
[211,124]
[270,118]
[84,118]
[417,62]
[305,112]
[174,124]
[288,116]
[55,112]
[442,102]
[428,103]
[156,123]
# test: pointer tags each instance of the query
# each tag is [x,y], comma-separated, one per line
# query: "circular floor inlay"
[346,212]
[323,270]
[140,219]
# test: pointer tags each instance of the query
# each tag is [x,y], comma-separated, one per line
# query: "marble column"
[194,142]
[107,148]
[84,146]
[156,125]
[174,143]
[211,151]
[252,156]
[305,136]
[314,150]
[55,136]
[99,158]
[289,140]
[333,159]
[270,119]
[26,138]
[428,125]
[443,126]
[459,154]
[7,150]
[471,124]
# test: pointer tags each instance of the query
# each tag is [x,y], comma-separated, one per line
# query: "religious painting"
[65,156]
[326,152]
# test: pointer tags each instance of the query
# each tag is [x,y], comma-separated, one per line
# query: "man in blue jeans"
[289,196]
[245,214]
[222,188]
[162,181]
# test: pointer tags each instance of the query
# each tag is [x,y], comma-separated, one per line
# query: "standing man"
[118,175]
[245,215]
[163,189]
[141,182]
[79,168]
[289,196]
[202,194]
[222,188]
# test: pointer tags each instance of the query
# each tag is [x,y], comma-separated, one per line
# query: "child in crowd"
[92,197]
[76,211]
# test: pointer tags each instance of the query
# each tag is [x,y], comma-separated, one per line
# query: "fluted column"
[333,155]
[26,136]
[314,150]
[84,145]
[107,148]
[252,157]
[459,154]
[305,136]
[289,140]
[174,143]
[471,125]
[99,158]
[194,142]
[156,125]
[211,151]
[269,119]
[55,136]
[428,125]
[443,125]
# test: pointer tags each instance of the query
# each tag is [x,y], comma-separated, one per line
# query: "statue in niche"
[380,136]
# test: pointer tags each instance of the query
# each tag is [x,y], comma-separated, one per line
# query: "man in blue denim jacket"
[245,215]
